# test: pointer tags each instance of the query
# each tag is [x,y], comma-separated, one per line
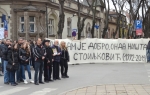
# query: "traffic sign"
[138,27]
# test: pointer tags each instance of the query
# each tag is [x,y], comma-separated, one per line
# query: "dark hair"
[20,38]
[8,40]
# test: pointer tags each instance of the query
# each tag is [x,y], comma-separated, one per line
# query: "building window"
[69,28]
[21,24]
[1,23]
[51,27]
[32,24]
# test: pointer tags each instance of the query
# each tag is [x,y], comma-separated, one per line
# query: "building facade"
[112,25]
[31,19]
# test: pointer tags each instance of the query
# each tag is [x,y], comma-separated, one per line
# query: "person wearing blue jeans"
[39,52]
[148,52]
[5,48]
[24,55]
[12,57]
[18,73]
[23,73]
[38,68]
[6,73]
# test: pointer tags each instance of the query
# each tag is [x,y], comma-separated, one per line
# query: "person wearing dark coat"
[5,60]
[64,60]
[19,72]
[12,57]
[57,54]
[148,52]
[31,50]
[48,61]
[24,55]
[2,62]
[39,54]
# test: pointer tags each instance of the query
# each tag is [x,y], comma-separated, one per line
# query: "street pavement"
[85,76]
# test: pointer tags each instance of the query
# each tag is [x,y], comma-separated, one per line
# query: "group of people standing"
[19,56]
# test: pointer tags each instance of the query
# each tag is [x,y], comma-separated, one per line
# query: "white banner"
[106,50]
[1,33]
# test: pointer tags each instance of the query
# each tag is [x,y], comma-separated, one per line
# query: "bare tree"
[80,23]
[61,18]
[119,6]
[93,8]
[107,9]
[146,17]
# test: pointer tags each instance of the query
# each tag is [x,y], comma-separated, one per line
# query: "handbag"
[9,67]
[15,66]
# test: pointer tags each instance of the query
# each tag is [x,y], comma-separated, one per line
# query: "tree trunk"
[61,19]
[92,29]
[106,19]
[80,24]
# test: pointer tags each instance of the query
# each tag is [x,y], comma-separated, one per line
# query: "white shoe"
[31,81]
[25,81]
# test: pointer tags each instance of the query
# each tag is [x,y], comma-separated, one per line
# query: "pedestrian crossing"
[26,90]
[13,90]
[43,92]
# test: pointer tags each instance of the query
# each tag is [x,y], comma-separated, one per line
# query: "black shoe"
[54,79]
[63,76]
[21,80]
[36,83]
[46,81]
[16,83]
[7,83]
[13,84]
[67,76]
[41,82]
[50,80]
[58,78]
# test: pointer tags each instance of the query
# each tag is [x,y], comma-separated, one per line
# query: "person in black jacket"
[5,48]
[19,72]
[24,55]
[31,50]
[48,61]
[64,60]
[39,54]
[1,46]
[12,57]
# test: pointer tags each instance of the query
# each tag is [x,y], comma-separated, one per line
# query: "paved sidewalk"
[111,90]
